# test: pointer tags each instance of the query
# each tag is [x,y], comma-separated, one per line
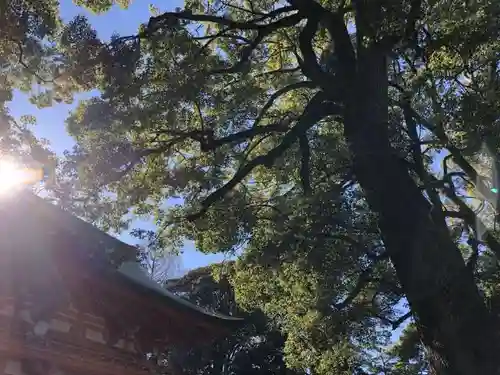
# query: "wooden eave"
[97,244]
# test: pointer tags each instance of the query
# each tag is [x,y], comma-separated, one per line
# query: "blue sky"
[51,120]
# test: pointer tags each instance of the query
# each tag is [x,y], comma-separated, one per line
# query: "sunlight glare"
[13,176]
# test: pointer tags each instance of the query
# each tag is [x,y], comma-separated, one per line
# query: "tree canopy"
[24,59]
[343,150]
[259,347]
[256,348]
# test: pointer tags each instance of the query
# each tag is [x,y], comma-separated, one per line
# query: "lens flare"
[13,176]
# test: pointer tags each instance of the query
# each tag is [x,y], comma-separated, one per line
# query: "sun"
[14,176]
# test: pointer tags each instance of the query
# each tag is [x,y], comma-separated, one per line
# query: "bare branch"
[454,214]
[116,175]
[413,16]
[169,18]
[337,28]
[472,261]
[419,165]
[277,12]
[221,34]
[209,143]
[409,33]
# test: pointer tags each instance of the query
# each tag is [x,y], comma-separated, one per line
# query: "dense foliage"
[258,347]
[24,61]
[342,149]
[254,349]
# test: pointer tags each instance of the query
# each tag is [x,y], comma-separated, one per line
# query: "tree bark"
[452,318]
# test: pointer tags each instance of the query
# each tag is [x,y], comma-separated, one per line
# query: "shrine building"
[73,300]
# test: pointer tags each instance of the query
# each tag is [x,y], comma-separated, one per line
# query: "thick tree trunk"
[452,318]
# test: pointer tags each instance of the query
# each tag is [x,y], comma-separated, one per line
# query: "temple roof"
[99,244]
[135,273]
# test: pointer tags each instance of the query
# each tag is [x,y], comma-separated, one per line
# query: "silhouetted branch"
[280,92]
[458,158]
[472,261]
[208,143]
[315,111]
[309,66]
[467,214]
[261,34]
[170,18]
[25,65]
[396,323]
[409,32]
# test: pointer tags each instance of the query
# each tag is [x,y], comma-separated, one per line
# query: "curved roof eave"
[91,233]
[132,271]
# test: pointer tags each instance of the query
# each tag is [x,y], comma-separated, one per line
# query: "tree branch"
[335,24]
[315,111]
[25,65]
[396,323]
[280,92]
[455,153]
[171,18]
[208,143]
[116,175]
[472,261]
[363,280]
[344,51]
[467,214]
[262,32]
[212,38]
[413,16]
[305,175]
[409,32]
[278,71]
[419,164]
[309,66]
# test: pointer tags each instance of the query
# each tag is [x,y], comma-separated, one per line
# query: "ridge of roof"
[107,242]
[132,271]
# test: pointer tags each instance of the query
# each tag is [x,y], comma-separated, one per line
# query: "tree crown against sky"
[304,136]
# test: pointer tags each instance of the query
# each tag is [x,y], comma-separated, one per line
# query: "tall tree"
[291,127]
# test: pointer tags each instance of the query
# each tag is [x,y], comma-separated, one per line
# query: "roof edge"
[69,221]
